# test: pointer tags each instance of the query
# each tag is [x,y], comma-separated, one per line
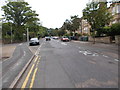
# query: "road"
[71,65]
[12,66]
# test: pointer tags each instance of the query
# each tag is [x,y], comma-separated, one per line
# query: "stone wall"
[117,39]
[101,39]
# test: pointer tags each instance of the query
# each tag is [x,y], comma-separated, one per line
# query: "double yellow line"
[29,73]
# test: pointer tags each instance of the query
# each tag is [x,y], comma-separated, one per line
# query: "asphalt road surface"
[71,65]
[12,66]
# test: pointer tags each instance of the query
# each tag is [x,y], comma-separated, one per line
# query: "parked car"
[64,38]
[34,41]
[47,38]
[55,37]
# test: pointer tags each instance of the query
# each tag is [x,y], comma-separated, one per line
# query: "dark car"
[47,38]
[34,41]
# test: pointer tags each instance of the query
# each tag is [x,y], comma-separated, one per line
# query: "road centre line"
[36,59]
[34,74]
[26,80]
[36,53]
[31,69]
[33,78]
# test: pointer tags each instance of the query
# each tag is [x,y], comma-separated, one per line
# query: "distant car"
[47,38]
[34,41]
[55,37]
[64,38]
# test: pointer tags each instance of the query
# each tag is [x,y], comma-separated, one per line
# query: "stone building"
[115,11]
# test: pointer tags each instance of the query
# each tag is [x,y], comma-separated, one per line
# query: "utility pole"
[93,24]
[27,35]
[11,33]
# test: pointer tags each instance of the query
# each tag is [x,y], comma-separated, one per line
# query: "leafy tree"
[75,22]
[61,32]
[42,31]
[72,25]
[19,13]
[97,15]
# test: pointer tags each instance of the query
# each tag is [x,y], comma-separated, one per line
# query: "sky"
[53,13]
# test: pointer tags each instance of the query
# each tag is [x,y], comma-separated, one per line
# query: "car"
[55,37]
[64,38]
[34,41]
[47,38]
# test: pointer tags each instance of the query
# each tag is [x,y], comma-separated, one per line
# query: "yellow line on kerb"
[33,78]
[36,59]
[26,80]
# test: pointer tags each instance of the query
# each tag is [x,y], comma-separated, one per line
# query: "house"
[84,27]
[115,10]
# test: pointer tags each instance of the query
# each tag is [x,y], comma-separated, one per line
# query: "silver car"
[34,41]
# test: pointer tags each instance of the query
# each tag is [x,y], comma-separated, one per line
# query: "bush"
[7,39]
[109,31]
[115,29]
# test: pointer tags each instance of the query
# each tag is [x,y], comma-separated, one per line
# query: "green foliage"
[115,29]
[97,15]
[54,32]
[71,25]
[20,14]
[75,22]
[42,31]
[109,30]
[61,32]
[5,28]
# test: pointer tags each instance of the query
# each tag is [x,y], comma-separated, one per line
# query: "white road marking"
[116,60]
[63,43]
[37,52]
[20,44]
[95,54]
[24,53]
[105,56]
[88,53]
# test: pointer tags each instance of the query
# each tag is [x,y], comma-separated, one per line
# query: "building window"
[118,8]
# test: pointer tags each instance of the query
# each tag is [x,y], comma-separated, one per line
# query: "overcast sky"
[53,13]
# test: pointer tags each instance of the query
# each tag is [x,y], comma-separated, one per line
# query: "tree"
[75,22]
[19,13]
[72,25]
[97,15]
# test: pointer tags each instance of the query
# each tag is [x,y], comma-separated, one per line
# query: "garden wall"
[101,39]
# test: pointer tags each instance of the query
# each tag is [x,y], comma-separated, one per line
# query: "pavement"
[7,51]
[11,67]
[71,65]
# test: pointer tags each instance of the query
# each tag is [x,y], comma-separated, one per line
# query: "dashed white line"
[20,44]
[116,60]
[63,43]
[105,56]
[24,53]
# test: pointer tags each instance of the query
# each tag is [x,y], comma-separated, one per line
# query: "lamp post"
[11,32]
[93,25]
[27,35]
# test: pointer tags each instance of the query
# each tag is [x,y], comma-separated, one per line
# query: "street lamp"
[27,35]
[11,32]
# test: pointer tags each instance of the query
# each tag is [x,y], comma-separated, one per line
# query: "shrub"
[115,29]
